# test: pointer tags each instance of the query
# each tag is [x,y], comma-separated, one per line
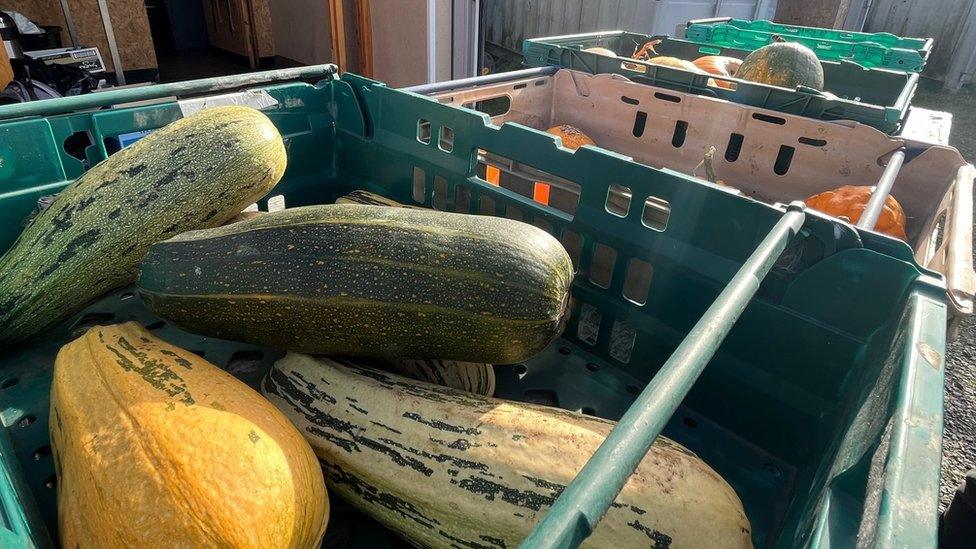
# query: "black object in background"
[957,529]
[48,40]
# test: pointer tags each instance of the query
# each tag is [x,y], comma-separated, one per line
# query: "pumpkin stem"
[777,38]
[709,167]
[641,53]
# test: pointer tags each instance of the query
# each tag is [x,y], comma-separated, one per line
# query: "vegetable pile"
[780,63]
[155,445]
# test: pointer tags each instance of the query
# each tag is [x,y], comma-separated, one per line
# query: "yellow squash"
[155,446]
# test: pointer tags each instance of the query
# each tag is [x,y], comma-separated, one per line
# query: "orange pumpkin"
[720,65]
[849,202]
[573,137]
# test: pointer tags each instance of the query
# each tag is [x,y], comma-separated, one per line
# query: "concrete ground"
[959,450]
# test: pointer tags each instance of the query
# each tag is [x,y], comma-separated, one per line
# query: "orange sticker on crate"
[540,193]
[492,174]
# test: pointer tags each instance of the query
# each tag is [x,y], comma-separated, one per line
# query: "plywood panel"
[131,26]
[228,29]
[44,12]
[6,71]
[129,20]
[265,34]
[399,41]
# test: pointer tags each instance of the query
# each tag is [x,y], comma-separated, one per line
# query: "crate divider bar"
[450,85]
[875,205]
[579,508]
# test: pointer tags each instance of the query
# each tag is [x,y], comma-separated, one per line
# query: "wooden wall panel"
[262,12]
[918,18]
[129,21]
[131,25]
[225,25]
[509,22]
[44,12]
[825,13]
[301,31]
[227,29]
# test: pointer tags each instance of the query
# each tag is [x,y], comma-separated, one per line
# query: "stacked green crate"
[870,50]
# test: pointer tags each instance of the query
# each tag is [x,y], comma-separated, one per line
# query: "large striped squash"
[446,468]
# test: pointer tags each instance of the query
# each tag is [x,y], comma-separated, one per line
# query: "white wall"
[301,30]
[399,41]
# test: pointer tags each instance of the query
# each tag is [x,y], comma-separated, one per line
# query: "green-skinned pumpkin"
[783,64]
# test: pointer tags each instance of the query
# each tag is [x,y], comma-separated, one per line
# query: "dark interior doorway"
[183,49]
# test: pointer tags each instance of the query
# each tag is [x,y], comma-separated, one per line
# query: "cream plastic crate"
[765,155]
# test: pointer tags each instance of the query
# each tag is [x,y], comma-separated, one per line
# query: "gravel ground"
[959,450]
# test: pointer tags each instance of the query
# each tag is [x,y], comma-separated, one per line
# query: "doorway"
[206,38]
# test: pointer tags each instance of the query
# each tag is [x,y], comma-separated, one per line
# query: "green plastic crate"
[868,49]
[822,408]
[877,97]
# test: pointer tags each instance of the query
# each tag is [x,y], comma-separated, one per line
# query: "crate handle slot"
[579,508]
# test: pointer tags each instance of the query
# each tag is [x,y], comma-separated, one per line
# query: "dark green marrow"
[367,281]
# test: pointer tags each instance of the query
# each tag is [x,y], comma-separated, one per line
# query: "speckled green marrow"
[349,279]
[476,377]
[784,64]
[196,172]
[446,468]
